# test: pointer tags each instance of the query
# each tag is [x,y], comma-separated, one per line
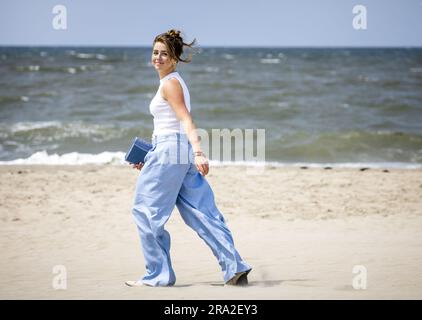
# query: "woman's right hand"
[202,164]
[137,165]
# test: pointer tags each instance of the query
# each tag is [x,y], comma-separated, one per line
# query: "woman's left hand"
[137,165]
[202,164]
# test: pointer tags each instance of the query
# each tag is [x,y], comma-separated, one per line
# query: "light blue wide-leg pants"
[169,177]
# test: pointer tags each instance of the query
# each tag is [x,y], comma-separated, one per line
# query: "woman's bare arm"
[172,92]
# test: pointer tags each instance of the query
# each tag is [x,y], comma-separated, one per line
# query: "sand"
[67,233]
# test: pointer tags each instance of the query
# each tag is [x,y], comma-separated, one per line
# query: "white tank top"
[165,120]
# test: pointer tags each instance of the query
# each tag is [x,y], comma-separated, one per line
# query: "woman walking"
[173,174]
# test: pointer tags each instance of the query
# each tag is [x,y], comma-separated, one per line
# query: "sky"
[264,23]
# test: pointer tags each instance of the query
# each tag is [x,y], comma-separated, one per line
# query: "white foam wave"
[27,126]
[117,158]
[228,56]
[96,132]
[270,60]
[72,158]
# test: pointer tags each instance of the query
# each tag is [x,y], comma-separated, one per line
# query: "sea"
[343,107]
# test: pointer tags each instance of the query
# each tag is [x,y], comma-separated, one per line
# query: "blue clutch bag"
[138,151]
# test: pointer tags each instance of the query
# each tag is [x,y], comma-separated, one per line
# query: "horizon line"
[219,46]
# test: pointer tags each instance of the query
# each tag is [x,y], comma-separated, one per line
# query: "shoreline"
[267,164]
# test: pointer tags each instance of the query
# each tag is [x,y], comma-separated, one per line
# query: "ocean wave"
[19,127]
[70,127]
[270,60]
[117,158]
[5,100]
[227,56]
[72,158]
[95,56]
[64,69]
[57,131]
[29,68]
[416,70]
[212,69]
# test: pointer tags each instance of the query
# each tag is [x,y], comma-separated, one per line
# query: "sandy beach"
[302,230]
